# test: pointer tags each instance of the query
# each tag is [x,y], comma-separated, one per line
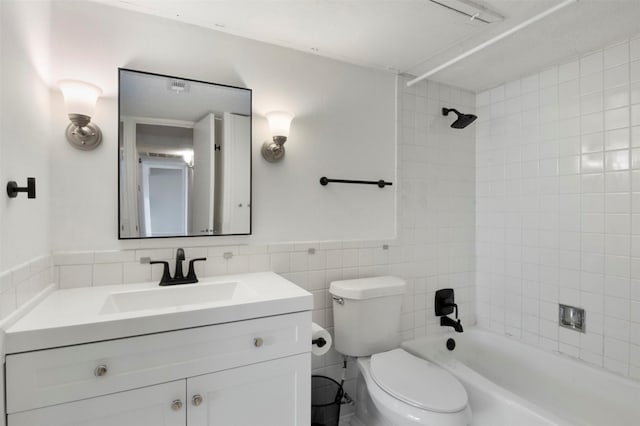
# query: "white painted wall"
[24,130]
[24,150]
[558,216]
[344,128]
[2,72]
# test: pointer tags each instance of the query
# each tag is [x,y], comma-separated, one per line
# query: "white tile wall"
[436,199]
[558,207]
[21,283]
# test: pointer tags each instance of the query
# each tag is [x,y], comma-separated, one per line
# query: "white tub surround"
[135,354]
[509,383]
[558,185]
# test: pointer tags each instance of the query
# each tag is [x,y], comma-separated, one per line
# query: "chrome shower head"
[462,121]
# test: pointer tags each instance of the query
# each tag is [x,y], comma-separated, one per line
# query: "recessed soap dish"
[572,318]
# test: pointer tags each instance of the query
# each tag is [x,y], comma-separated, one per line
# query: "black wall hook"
[30,189]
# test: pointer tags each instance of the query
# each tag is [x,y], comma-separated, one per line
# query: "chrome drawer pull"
[176,405]
[100,371]
[257,342]
[196,400]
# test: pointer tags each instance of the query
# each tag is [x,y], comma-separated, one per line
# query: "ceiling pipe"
[495,39]
[471,10]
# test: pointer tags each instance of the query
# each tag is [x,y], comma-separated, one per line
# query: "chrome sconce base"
[82,134]
[274,151]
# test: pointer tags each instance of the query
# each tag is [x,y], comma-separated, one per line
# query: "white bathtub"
[513,384]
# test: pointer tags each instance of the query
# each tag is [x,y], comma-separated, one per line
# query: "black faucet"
[445,321]
[178,276]
[444,305]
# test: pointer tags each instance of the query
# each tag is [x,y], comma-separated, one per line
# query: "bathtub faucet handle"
[455,307]
[445,302]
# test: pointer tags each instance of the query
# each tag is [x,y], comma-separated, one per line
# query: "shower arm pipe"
[495,39]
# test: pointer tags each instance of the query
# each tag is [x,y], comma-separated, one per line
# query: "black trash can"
[326,397]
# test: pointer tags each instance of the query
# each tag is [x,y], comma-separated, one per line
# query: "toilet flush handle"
[338,300]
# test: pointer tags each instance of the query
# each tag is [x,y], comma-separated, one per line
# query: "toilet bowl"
[394,388]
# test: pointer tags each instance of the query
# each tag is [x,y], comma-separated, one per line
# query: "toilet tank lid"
[368,288]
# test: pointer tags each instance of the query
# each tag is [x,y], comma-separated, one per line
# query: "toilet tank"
[366,314]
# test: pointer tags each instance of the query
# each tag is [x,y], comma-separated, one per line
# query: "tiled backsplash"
[558,206]
[311,265]
[20,284]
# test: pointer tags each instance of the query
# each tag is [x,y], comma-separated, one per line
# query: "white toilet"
[394,388]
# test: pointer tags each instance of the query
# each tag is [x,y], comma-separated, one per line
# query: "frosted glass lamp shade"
[279,122]
[79,97]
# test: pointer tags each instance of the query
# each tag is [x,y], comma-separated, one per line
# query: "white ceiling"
[413,36]
[149,95]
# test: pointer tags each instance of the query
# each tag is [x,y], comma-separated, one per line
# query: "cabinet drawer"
[148,406]
[54,376]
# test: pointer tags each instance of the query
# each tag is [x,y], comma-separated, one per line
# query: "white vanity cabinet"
[243,373]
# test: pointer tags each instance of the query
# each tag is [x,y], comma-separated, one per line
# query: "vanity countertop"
[91,314]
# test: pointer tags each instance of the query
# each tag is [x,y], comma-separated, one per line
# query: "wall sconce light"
[80,99]
[279,122]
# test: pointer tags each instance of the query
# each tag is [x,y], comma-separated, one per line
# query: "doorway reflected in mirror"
[184,157]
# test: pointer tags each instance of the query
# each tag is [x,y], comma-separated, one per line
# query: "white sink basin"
[90,314]
[176,297]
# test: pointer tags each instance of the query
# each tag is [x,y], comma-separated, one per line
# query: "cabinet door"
[272,393]
[150,406]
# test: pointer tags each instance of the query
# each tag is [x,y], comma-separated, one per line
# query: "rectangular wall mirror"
[184,157]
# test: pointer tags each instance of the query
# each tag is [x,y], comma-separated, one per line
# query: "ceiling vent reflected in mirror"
[178,86]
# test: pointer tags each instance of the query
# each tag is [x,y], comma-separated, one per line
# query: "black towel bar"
[381,183]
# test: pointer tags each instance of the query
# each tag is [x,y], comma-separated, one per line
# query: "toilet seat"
[400,413]
[418,382]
